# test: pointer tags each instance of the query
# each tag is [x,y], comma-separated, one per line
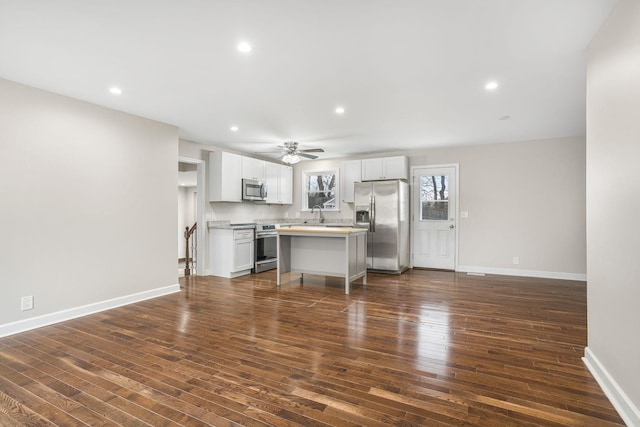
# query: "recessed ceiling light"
[244,47]
[492,85]
[234,128]
[504,117]
[339,110]
[115,90]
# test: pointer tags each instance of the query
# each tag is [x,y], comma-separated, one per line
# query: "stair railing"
[188,232]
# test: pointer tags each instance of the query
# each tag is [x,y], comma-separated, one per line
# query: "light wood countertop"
[320,229]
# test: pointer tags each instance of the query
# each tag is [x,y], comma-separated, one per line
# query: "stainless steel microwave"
[254,190]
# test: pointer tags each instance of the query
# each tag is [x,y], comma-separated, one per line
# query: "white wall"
[524,199]
[88,208]
[613,207]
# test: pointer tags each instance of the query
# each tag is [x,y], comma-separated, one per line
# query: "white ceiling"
[410,73]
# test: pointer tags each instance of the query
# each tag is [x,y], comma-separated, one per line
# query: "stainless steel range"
[266,247]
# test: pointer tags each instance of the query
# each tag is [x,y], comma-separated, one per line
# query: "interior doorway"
[435,214]
[191,205]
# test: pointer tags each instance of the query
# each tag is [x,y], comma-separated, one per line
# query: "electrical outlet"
[516,260]
[27,303]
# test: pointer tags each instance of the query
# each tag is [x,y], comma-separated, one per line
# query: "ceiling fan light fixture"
[291,159]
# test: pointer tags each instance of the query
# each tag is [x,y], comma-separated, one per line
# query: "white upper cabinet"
[273,181]
[227,170]
[396,167]
[279,179]
[225,178]
[253,168]
[351,173]
[286,184]
[372,169]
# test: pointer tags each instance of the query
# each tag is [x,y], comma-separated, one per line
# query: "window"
[434,198]
[320,188]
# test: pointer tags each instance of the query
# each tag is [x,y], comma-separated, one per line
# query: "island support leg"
[347,273]
[284,256]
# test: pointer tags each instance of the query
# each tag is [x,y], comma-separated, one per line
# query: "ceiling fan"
[293,155]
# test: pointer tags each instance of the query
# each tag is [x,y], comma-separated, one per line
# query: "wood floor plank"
[14,413]
[126,399]
[174,385]
[422,348]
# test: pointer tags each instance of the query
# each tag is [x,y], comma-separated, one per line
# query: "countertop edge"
[321,230]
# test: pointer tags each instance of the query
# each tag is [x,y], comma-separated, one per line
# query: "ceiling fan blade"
[312,150]
[271,152]
[308,156]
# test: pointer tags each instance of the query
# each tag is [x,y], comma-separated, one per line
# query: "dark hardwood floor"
[427,348]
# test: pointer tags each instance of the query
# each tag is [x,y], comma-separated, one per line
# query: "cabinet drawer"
[242,234]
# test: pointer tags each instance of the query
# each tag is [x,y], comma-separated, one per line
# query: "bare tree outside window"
[434,197]
[320,190]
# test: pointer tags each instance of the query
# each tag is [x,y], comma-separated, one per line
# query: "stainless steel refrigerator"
[383,208]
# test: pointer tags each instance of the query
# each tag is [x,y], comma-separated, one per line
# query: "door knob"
[451,226]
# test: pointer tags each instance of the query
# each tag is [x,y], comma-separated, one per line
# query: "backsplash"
[265,213]
[242,212]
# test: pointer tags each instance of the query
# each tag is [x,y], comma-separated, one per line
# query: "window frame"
[304,207]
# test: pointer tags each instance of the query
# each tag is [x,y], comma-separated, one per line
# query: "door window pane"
[434,197]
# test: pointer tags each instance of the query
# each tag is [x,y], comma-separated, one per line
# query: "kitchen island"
[327,251]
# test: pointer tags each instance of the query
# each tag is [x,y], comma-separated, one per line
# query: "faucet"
[321,216]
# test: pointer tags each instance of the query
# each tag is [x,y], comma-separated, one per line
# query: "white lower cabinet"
[231,251]
[243,250]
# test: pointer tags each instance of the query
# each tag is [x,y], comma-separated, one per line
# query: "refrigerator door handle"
[372,226]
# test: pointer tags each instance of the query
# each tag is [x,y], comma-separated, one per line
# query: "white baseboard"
[72,313]
[629,412]
[523,273]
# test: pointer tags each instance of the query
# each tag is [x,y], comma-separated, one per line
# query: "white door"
[434,217]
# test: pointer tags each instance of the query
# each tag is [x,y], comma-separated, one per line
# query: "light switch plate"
[464,214]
